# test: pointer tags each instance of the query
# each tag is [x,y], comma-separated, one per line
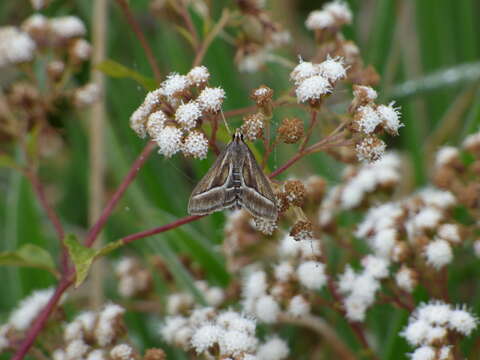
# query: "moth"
[234,180]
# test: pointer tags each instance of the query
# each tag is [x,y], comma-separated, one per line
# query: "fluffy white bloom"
[105,329]
[253,62]
[88,320]
[436,334]
[274,349]
[346,280]
[195,145]
[234,342]
[211,99]
[214,296]
[76,349]
[379,218]
[365,287]
[97,354]
[438,253]
[283,271]
[28,309]
[174,84]
[405,279]
[289,246]
[340,10]
[390,117]
[179,301]
[312,275]
[169,141]
[155,123]
[205,336]
[267,309]
[427,218]
[232,320]
[449,232]
[73,331]
[67,27]
[438,198]
[445,353]
[122,352]
[15,46]
[434,312]
[355,308]
[198,75]
[171,326]
[368,119]
[312,88]
[332,69]
[384,241]
[319,19]
[445,155]
[81,49]
[188,114]
[376,266]
[367,91]
[462,321]
[34,23]
[416,332]
[303,71]
[423,353]
[471,141]
[298,306]
[59,354]
[87,95]
[200,316]
[255,285]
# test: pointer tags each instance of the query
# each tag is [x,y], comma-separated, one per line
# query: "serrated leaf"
[117,70]
[28,255]
[82,257]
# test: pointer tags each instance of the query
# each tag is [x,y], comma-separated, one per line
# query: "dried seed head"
[291,130]
[155,354]
[266,227]
[282,202]
[400,251]
[362,95]
[370,149]
[295,192]
[302,230]
[366,119]
[262,95]
[253,126]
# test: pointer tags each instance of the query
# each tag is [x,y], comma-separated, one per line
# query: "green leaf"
[109,248]
[28,255]
[117,70]
[81,256]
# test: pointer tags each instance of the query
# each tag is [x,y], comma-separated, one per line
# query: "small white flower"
[423,353]
[87,95]
[200,316]
[390,117]
[462,321]
[365,287]
[211,99]
[302,71]
[340,10]
[76,349]
[289,246]
[88,320]
[346,280]
[319,19]
[122,352]
[368,119]
[436,334]
[97,354]
[416,332]
[214,296]
[312,88]
[384,241]
[312,275]
[73,331]
[255,285]
[171,326]
[174,85]
[155,123]
[427,218]
[81,49]
[34,23]
[274,349]
[234,321]
[434,312]
[105,329]
[367,91]
[376,266]
[438,253]
[449,232]
[438,198]
[445,353]
[445,155]
[67,27]
[199,75]
[405,279]
[188,114]
[267,309]
[177,302]
[298,306]
[355,308]
[283,271]
[205,336]
[234,342]
[15,46]
[169,141]
[28,309]
[471,141]
[196,145]
[332,69]
[59,354]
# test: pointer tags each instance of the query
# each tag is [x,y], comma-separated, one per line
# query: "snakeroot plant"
[321,247]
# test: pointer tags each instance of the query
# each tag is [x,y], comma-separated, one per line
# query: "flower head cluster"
[183,302]
[16,46]
[170,114]
[334,14]
[133,278]
[315,81]
[431,325]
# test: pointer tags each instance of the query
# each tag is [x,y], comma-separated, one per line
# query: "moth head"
[238,136]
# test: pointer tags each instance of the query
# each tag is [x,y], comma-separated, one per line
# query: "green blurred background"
[426,51]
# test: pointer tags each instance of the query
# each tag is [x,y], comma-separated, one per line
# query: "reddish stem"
[107,211]
[141,37]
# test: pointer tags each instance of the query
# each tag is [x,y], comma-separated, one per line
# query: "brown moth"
[234,180]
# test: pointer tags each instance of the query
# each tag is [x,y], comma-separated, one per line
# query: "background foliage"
[420,48]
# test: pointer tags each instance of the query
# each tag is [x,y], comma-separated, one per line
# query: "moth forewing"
[235,179]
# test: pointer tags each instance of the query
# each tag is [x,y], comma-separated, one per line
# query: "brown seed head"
[370,149]
[302,230]
[291,130]
[252,126]
[262,95]
[295,192]
[155,354]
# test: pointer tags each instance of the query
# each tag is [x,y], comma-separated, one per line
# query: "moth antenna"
[225,122]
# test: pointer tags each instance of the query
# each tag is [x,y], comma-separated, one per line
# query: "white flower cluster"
[91,334]
[15,46]
[182,302]
[133,278]
[232,333]
[263,295]
[169,114]
[22,317]
[313,81]
[430,328]
[333,14]
[359,288]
